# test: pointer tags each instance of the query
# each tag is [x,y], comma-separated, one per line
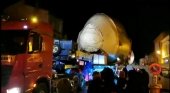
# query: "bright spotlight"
[34,19]
[158,52]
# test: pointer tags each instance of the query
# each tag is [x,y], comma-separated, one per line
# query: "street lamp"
[34,19]
[158,52]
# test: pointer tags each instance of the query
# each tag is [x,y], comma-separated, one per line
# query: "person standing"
[121,84]
[96,84]
[108,77]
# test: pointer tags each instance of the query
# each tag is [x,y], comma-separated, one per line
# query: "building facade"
[162,49]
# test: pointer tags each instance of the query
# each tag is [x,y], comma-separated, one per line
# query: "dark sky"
[142,20]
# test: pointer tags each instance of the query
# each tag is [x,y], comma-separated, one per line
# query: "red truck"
[26,57]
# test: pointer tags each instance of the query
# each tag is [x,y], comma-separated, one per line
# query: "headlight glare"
[14,90]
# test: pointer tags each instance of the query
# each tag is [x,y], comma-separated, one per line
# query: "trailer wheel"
[41,88]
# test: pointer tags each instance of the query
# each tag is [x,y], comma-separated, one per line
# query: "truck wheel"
[41,88]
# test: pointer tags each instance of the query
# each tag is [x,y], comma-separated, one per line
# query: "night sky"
[142,20]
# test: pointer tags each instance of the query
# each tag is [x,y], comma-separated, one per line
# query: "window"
[35,43]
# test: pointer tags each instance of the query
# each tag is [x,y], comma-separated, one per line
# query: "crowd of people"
[133,81]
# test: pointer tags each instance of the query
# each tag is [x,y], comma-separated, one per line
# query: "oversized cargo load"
[101,33]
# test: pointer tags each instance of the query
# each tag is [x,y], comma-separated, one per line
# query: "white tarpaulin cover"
[91,39]
[99,33]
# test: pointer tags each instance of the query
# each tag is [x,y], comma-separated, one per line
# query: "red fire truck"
[26,57]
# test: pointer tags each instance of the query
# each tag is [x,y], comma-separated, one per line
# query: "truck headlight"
[14,90]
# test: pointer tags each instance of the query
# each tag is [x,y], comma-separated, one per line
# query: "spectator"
[64,86]
[121,83]
[79,81]
[145,80]
[95,85]
[107,76]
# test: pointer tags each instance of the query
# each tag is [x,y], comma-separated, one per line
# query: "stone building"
[162,48]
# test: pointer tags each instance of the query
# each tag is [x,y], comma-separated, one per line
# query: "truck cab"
[26,56]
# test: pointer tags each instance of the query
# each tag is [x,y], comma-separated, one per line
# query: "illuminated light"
[22,19]
[43,46]
[21,43]
[163,54]
[158,52]
[14,90]
[166,60]
[34,85]
[118,59]
[81,63]
[30,46]
[34,19]
[9,59]
[25,27]
[162,62]
[3,19]
[131,58]
[73,56]
[137,69]
[98,59]
[55,49]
